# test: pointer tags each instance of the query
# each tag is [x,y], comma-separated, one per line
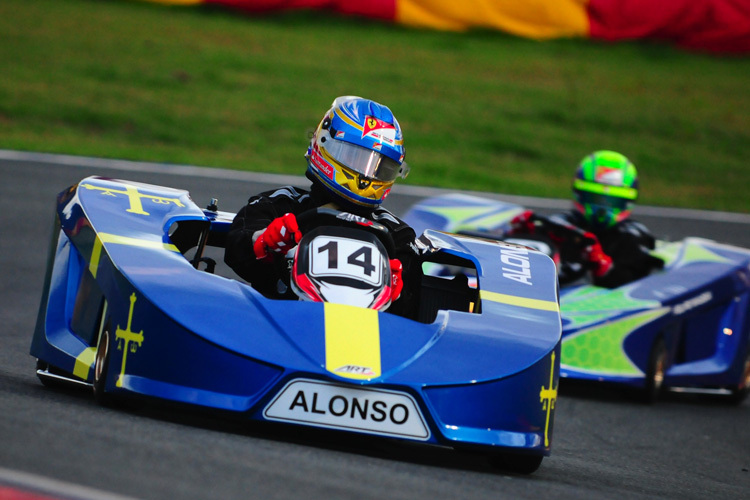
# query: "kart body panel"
[483,375]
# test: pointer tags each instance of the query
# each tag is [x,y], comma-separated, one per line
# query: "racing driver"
[615,248]
[354,157]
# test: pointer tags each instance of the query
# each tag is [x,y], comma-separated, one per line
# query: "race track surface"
[606,445]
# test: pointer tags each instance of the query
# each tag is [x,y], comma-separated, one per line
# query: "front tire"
[520,464]
[742,389]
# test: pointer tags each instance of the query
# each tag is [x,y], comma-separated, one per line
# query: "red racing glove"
[396,283]
[280,235]
[523,223]
[600,262]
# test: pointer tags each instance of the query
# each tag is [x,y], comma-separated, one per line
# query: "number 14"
[361,257]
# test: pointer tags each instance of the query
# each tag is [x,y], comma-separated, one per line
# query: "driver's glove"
[523,223]
[396,284]
[280,235]
[599,261]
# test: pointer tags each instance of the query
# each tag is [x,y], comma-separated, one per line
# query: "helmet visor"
[367,162]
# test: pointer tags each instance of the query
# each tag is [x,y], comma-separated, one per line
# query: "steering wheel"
[571,243]
[323,216]
[562,230]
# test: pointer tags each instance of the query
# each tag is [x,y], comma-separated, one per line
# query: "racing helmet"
[357,152]
[604,188]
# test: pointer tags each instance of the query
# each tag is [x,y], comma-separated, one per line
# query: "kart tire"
[517,463]
[742,389]
[657,368]
[101,365]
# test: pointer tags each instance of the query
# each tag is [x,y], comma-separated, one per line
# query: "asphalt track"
[606,445]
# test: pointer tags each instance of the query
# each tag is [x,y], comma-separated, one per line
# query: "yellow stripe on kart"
[352,341]
[84,362]
[544,305]
[102,238]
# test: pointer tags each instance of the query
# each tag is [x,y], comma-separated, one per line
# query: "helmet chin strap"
[598,217]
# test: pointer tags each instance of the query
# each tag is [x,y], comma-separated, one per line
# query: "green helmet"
[605,187]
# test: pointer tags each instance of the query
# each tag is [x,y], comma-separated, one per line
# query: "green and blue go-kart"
[685,328]
[132,307]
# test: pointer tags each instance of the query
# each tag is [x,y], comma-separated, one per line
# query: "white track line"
[27,482]
[239,175]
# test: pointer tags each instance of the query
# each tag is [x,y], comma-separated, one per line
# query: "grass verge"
[480,110]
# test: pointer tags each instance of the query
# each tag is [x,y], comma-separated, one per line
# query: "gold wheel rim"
[101,355]
[659,371]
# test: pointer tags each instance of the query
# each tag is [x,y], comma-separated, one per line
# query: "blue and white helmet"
[357,151]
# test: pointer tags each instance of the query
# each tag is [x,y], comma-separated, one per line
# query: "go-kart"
[133,307]
[684,328]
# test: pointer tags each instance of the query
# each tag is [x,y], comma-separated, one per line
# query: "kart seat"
[441,293]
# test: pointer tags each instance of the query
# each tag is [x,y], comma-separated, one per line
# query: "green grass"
[480,110]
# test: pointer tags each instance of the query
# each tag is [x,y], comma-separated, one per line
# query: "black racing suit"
[266,277]
[628,243]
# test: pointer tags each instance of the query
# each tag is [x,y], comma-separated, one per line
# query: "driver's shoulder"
[633,227]
[384,216]
[633,233]
[403,234]
[571,217]
[281,193]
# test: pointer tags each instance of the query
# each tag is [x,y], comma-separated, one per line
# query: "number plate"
[335,406]
[344,257]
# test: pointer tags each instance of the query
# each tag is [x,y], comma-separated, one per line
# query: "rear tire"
[657,368]
[742,389]
[520,464]
[101,365]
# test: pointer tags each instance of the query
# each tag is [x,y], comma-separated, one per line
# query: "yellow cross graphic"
[548,396]
[136,205]
[127,336]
